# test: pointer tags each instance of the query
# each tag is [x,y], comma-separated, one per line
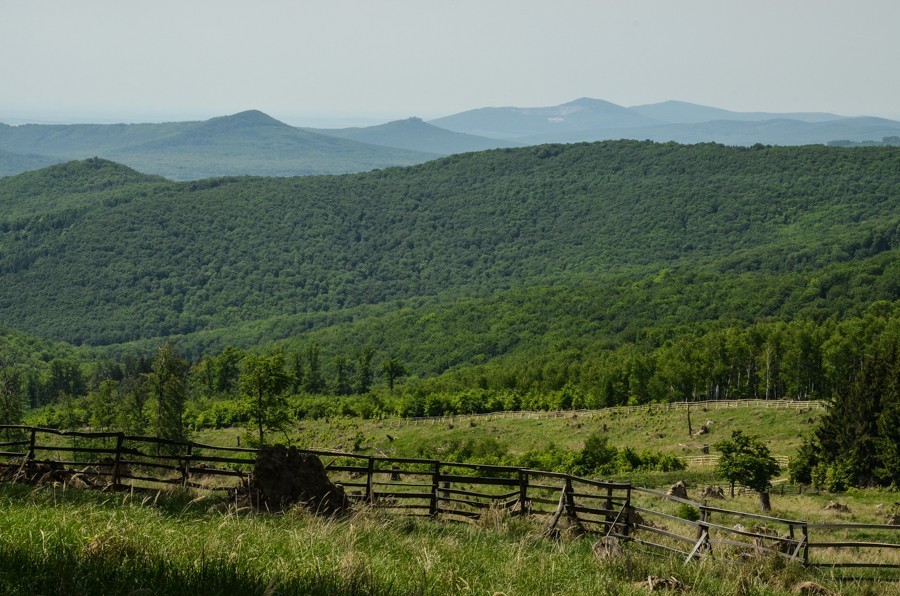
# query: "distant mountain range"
[597,120]
[253,143]
[248,143]
[415,135]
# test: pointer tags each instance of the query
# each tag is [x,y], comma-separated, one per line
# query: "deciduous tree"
[746,459]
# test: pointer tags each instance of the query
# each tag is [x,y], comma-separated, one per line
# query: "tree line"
[264,389]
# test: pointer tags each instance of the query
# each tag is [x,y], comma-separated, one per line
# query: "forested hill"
[95,253]
[246,143]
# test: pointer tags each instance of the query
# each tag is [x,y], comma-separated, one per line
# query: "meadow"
[63,541]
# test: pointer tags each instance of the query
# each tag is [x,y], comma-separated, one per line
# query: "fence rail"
[462,491]
[722,404]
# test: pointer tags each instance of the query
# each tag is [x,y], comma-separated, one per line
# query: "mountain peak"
[589,102]
[86,175]
[248,118]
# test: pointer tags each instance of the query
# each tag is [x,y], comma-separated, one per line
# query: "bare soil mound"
[284,476]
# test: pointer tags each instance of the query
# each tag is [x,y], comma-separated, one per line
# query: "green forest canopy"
[97,254]
[552,277]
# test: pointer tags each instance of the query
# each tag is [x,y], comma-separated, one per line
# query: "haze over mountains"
[596,120]
[253,143]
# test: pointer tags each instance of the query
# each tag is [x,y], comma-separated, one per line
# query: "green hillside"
[120,256]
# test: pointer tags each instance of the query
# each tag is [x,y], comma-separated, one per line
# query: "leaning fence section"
[465,492]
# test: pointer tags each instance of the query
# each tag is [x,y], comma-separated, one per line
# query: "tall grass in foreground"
[61,541]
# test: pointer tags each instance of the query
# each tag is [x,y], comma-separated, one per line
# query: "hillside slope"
[147,258]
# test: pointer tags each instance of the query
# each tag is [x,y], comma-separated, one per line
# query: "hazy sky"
[335,62]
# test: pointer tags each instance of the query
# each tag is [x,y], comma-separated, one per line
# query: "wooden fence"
[720,404]
[465,492]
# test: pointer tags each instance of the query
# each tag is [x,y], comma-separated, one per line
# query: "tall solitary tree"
[364,372]
[263,382]
[392,370]
[167,383]
[746,459]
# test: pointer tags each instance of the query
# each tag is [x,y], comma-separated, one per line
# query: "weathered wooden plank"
[748,533]
[469,493]
[399,484]
[151,479]
[466,514]
[481,480]
[854,545]
[399,506]
[400,495]
[63,449]
[333,468]
[790,522]
[149,464]
[660,546]
[475,504]
[853,526]
[669,516]
[221,448]
[15,443]
[403,460]
[593,511]
[390,471]
[222,460]
[666,533]
[195,472]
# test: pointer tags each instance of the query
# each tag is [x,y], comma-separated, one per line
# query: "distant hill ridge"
[254,143]
[589,119]
[416,135]
[247,143]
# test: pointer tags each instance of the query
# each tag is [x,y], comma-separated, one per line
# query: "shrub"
[687,512]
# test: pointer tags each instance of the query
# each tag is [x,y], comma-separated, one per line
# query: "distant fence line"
[711,460]
[459,491]
[780,404]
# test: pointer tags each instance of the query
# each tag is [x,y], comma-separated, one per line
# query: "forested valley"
[551,277]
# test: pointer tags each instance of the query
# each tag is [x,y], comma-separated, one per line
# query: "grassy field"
[64,541]
[60,540]
[654,427]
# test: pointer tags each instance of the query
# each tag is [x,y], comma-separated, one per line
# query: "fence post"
[117,462]
[628,512]
[370,468]
[31,444]
[186,468]
[703,542]
[435,485]
[570,502]
[804,532]
[523,493]
[610,519]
